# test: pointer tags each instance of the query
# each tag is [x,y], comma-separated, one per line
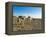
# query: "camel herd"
[22,23]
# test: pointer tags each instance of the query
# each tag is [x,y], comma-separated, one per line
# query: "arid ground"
[22,23]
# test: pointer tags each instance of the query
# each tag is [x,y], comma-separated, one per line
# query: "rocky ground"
[26,24]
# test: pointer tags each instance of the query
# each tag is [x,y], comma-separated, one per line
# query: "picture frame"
[9,18]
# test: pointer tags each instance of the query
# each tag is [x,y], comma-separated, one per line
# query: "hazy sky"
[34,12]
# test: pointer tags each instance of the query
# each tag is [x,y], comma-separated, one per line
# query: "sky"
[34,12]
